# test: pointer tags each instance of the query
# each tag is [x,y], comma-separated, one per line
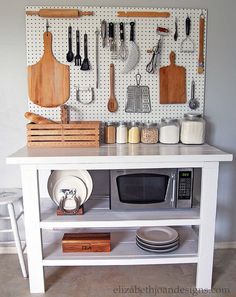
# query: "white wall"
[220,90]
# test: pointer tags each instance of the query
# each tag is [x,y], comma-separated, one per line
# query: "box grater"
[138,98]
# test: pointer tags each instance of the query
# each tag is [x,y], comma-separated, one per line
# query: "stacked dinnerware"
[157,239]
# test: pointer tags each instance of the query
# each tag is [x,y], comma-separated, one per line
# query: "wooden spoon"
[112,103]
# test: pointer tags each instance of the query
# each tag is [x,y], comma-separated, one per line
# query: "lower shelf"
[125,252]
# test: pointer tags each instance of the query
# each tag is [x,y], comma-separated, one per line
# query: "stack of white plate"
[157,239]
[79,181]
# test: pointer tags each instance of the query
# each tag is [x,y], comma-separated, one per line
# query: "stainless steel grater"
[138,98]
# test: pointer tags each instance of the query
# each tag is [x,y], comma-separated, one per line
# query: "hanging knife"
[111,36]
[104,32]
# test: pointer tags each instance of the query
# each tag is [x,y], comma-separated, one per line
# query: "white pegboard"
[145,37]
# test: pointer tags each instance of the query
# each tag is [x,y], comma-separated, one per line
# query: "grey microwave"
[145,189]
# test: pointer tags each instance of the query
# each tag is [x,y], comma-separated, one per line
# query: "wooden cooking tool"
[86,242]
[48,80]
[201,44]
[143,14]
[112,103]
[37,119]
[60,13]
[172,83]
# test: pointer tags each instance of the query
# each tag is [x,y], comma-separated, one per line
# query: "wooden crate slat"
[65,132]
[63,144]
[72,125]
[60,138]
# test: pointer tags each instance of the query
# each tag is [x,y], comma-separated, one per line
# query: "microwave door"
[146,190]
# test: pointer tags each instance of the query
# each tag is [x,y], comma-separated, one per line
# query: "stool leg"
[21,208]
[14,225]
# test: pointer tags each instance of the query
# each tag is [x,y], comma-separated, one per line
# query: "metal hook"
[138,79]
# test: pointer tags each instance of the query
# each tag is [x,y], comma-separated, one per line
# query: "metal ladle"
[193,102]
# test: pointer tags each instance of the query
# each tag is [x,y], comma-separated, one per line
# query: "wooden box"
[86,242]
[75,134]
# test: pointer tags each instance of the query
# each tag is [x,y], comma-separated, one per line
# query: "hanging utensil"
[193,102]
[87,90]
[111,36]
[187,45]
[48,80]
[176,35]
[172,83]
[77,57]
[112,103]
[155,62]
[138,98]
[85,65]
[104,32]
[112,41]
[70,55]
[122,48]
[133,52]
[97,55]
[201,44]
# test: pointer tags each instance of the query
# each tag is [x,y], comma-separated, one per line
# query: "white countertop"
[117,153]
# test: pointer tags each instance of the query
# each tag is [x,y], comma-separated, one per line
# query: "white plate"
[157,247]
[158,251]
[157,235]
[82,174]
[71,183]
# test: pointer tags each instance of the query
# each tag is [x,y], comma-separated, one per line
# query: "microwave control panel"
[185,188]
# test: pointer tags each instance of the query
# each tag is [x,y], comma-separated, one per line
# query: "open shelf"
[125,252]
[98,215]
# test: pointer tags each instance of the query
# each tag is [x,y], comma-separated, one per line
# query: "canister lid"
[109,123]
[150,125]
[134,124]
[169,121]
[122,123]
[192,116]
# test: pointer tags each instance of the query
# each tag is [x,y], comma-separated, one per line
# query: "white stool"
[8,197]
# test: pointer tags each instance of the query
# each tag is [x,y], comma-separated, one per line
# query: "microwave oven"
[145,189]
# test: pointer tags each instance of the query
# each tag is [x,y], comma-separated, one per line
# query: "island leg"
[207,225]
[30,187]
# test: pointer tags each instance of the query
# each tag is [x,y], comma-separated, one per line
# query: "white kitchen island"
[195,247]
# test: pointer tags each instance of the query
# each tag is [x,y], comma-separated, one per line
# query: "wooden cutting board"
[172,83]
[48,80]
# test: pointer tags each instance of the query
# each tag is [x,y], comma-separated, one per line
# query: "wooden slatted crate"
[75,134]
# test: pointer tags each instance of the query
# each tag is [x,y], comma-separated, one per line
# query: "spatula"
[112,103]
[85,65]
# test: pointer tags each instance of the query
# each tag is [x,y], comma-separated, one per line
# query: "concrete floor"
[116,280]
